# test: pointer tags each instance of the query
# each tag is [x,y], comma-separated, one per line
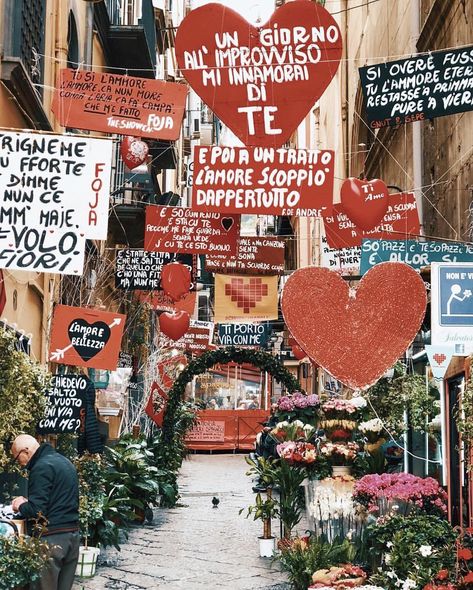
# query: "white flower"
[408,584]
[375,425]
[359,402]
[282,424]
[387,558]
[425,550]
[308,428]
[389,544]
[298,424]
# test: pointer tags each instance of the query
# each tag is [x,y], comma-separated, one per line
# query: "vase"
[340,470]
[266,547]
[87,561]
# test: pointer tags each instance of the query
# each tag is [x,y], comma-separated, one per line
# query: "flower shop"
[336,473]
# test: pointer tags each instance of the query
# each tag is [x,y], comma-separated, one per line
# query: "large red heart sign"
[355,335]
[261,82]
[364,201]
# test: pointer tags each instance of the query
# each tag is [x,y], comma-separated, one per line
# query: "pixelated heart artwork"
[355,335]
[260,81]
[239,297]
[246,294]
[439,358]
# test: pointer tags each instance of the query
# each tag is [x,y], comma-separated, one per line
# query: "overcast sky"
[252,10]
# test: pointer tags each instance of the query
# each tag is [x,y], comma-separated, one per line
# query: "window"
[72,43]
[29,28]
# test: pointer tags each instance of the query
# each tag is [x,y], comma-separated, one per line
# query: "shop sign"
[207,430]
[260,81]
[65,406]
[86,337]
[243,334]
[115,103]
[452,306]
[264,181]
[178,229]
[139,269]
[414,253]
[401,219]
[422,87]
[53,183]
[239,298]
[254,256]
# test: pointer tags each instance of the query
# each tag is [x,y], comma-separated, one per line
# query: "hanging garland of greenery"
[465,415]
[262,360]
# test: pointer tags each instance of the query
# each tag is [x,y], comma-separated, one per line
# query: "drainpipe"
[89,35]
[417,160]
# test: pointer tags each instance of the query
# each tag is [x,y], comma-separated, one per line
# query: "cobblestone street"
[196,546]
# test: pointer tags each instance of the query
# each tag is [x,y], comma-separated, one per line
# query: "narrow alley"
[195,545]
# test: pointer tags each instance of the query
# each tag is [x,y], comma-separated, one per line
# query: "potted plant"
[22,560]
[340,455]
[265,510]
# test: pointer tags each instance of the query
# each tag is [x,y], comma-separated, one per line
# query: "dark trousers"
[59,573]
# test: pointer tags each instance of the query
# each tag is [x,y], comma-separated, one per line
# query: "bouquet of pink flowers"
[340,453]
[341,409]
[341,577]
[297,453]
[298,405]
[422,493]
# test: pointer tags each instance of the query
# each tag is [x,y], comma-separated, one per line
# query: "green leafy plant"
[22,560]
[465,414]
[264,510]
[91,472]
[289,479]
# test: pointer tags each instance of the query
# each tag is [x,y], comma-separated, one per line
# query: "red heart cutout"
[174,325]
[134,151]
[175,280]
[300,41]
[355,336]
[364,201]
[439,358]
[298,353]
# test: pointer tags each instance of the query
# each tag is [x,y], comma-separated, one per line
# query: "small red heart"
[355,336]
[174,325]
[266,112]
[439,358]
[298,353]
[364,201]
[134,151]
[175,280]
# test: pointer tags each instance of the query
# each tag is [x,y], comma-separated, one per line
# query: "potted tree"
[265,510]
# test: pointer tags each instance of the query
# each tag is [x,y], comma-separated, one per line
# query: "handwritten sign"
[261,82]
[208,430]
[86,337]
[157,403]
[159,301]
[243,334]
[197,339]
[401,219]
[254,256]
[116,103]
[139,269]
[264,181]
[177,229]
[411,252]
[346,260]
[55,182]
[422,87]
[66,405]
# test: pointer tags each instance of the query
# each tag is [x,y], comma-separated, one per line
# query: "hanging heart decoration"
[260,81]
[174,325]
[355,335]
[175,280]
[134,151]
[364,201]
[297,352]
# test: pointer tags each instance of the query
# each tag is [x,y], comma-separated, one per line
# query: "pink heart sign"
[261,82]
[355,335]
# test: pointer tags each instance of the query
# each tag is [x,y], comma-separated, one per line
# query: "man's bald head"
[23,448]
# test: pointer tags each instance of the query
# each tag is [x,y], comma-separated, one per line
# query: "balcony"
[128,45]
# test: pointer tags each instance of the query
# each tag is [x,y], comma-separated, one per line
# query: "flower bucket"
[87,561]
[266,547]
[340,470]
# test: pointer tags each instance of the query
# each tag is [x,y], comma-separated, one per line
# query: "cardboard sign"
[423,87]
[439,359]
[86,337]
[243,334]
[41,250]
[414,253]
[55,182]
[452,306]
[208,430]
[261,82]
[197,339]
[264,181]
[115,103]
[241,298]
[66,405]
[177,229]
[159,301]
[254,256]
[157,403]
[139,269]
[346,260]
[401,219]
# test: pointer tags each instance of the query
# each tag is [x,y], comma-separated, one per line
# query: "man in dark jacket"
[53,493]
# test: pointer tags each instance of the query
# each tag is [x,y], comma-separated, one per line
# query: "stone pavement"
[196,546]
